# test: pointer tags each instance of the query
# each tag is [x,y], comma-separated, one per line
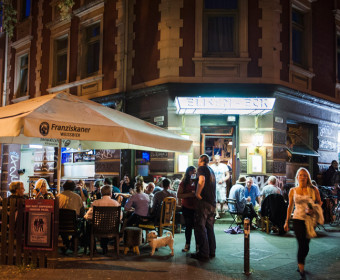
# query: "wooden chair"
[234,213]
[68,226]
[167,218]
[105,224]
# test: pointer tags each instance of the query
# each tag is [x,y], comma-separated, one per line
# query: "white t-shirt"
[220,171]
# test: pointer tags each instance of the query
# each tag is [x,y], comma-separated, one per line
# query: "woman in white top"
[303,196]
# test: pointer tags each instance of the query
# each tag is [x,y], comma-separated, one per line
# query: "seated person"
[270,188]
[106,200]
[41,189]
[126,185]
[70,200]
[17,190]
[139,204]
[158,184]
[244,205]
[159,197]
[81,190]
[96,194]
[115,191]
[140,179]
[252,191]
[149,191]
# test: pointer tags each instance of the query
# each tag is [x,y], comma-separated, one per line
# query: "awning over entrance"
[302,150]
[223,105]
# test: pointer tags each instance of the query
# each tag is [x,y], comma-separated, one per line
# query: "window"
[220,20]
[91,50]
[25,9]
[298,38]
[1,16]
[23,76]
[338,56]
[60,61]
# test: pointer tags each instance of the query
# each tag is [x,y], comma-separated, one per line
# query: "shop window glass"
[220,33]
[23,75]
[61,47]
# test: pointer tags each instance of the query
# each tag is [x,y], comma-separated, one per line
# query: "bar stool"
[132,239]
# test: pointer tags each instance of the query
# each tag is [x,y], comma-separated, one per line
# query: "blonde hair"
[309,182]
[39,183]
[139,187]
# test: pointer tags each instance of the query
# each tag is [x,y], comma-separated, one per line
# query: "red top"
[189,202]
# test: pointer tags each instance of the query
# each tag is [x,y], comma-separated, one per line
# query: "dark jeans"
[189,216]
[204,228]
[303,241]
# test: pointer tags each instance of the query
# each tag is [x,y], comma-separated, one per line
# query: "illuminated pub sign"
[223,105]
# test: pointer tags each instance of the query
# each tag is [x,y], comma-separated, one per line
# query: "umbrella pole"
[59,166]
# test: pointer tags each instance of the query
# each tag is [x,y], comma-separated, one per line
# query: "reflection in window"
[92,46]
[23,76]
[298,38]
[61,46]
[25,9]
[220,27]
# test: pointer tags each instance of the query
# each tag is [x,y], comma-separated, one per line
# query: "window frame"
[228,66]
[85,47]
[212,13]
[337,40]
[301,75]
[21,15]
[19,56]
[55,56]
[303,7]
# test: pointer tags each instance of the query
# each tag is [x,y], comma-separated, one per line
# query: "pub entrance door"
[221,144]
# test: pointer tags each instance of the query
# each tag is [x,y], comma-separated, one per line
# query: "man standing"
[330,174]
[205,211]
[221,171]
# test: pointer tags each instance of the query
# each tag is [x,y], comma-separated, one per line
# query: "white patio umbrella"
[62,119]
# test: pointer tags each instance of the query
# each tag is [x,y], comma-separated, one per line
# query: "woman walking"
[307,201]
[186,192]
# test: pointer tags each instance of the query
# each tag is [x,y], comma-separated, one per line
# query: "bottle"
[88,202]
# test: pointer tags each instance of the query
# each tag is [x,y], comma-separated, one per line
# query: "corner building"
[256,82]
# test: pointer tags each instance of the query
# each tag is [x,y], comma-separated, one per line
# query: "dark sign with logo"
[38,224]
[44,128]
[13,163]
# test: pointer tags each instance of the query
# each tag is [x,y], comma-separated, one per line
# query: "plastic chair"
[105,224]
[234,213]
[68,226]
[167,218]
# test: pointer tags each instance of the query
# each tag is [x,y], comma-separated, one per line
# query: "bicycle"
[336,214]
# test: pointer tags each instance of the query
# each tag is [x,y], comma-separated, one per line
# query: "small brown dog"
[156,242]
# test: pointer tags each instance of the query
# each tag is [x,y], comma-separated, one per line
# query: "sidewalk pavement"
[271,257]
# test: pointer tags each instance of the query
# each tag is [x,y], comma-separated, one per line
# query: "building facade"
[257,82]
